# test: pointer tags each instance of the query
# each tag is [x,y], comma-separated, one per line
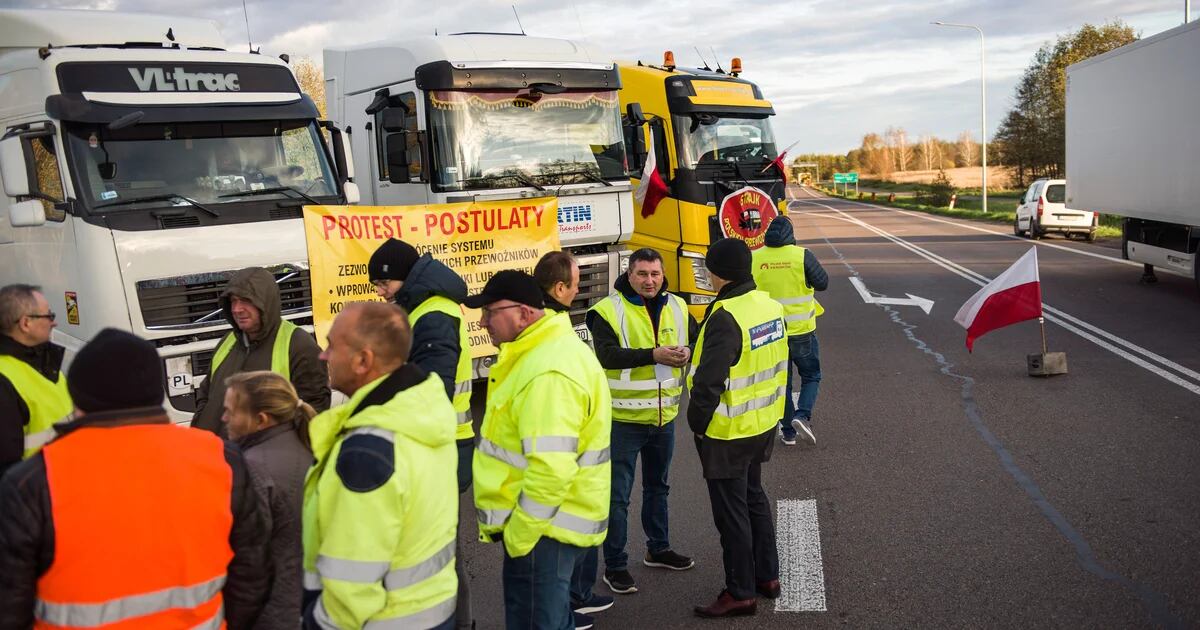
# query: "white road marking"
[1096,335]
[1073,250]
[912,300]
[801,574]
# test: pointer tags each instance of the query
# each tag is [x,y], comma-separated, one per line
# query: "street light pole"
[982,102]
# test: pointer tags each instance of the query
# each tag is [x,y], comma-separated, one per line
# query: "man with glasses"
[33,391]
[542,472]
[431,293]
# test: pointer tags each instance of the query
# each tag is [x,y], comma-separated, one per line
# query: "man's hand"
[673,356]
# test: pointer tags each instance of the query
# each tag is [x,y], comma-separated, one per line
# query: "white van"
[1043,209]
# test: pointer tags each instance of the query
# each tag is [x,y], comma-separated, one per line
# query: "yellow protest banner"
[474,239]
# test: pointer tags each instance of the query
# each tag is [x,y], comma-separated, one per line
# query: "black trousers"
[742,513]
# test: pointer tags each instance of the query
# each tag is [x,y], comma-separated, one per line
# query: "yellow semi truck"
[709,133]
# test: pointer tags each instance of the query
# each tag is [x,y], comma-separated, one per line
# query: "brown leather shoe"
[770,590]
[727,606]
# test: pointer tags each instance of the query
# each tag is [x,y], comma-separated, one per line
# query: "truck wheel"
[1035,231]
[1017,227]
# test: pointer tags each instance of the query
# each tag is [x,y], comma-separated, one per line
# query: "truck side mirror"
[393,120]
[29,213]
[634,112]
[13,169]
[397,157]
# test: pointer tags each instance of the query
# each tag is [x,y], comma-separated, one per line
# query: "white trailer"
[478,116]
[142,164]
[1133,145]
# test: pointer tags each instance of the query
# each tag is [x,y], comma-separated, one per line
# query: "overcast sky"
[834,70]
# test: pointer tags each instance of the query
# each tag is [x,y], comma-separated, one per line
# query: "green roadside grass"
[1002,209]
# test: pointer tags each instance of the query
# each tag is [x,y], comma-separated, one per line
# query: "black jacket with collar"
[722,459]
[47,359]
[27,529]
[608,346]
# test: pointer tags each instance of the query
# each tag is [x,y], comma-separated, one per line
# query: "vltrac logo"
[159,80]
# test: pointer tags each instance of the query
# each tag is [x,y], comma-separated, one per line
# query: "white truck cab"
[142,164]
[490,117]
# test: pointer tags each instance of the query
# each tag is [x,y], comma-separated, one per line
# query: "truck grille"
[192,301]
[594,286]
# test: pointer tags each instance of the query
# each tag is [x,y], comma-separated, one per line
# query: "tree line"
[895,150]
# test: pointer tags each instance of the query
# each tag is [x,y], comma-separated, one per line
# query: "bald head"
[367,340]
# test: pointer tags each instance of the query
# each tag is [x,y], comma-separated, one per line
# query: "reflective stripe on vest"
[752,402]
[125,608]
[517,460]
[426,618]
[462,371]
[637,394]
[281,363]
[48,401]
[561,519]
[780,272]
[365,572]
[116,496]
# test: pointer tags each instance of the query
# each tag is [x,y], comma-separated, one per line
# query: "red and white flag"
[651,189]
[1014,296]
[778,162]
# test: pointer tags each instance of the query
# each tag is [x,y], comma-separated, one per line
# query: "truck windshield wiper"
[163,197]
[588,174]
[492,180]
[527,180]
[266,191]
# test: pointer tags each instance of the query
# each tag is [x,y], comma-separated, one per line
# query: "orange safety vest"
[142,518]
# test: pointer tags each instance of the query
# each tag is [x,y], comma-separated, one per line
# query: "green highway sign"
[840,178]
[850,178]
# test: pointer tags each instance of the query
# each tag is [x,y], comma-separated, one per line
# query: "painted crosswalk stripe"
[801,574]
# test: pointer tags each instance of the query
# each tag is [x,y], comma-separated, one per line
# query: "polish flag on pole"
[651,189]
[1014,296]
[778,162]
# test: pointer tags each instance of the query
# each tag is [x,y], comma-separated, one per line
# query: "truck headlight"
[700,274]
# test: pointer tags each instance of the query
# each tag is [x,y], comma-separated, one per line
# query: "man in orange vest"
[152,525]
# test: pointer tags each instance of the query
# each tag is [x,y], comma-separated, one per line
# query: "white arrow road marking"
[801,575]
[912,300]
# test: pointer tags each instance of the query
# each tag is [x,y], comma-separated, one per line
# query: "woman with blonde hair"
[266,418]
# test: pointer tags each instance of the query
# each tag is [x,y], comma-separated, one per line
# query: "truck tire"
[1035,231]
[1017,227]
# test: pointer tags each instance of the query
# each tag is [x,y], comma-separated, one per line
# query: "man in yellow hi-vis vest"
[33,390]
[642,335]
[380,509]
[790,274]
[432,294]
[542,471]
[260,340]
[737,388]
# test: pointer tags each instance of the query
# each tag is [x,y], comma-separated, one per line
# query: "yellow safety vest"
[752,402]
[386,556]
[637,395]
[462,374]
[48,402]
[780,272]
[549,415]
[281,363]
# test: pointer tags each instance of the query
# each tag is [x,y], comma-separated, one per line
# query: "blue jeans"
[805,354]
[656,445]
[537,587]
[584,576]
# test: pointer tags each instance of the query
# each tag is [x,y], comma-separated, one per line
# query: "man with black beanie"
[432,293]
[737,386]
[176,508]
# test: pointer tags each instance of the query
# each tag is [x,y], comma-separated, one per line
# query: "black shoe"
[583,622]
[668,560]
[597,603]
[620,582]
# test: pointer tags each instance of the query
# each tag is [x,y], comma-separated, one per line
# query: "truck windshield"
[206,161]
[508,139]
[712,139]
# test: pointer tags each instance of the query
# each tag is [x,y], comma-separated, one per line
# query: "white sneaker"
[790,441]
[803,431]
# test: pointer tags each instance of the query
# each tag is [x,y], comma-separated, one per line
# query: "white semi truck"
[1133,145]
[143,163]
[485,117]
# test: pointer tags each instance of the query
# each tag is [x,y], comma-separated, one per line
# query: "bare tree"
[927,151]
[967,148]
[903,150]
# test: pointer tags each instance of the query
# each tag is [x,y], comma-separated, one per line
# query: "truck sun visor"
[443,75]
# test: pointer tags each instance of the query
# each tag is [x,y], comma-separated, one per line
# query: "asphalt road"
[952,489]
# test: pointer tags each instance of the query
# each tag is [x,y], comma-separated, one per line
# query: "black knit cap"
[509,284]
[392,261]
[729,259]
[116,370]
